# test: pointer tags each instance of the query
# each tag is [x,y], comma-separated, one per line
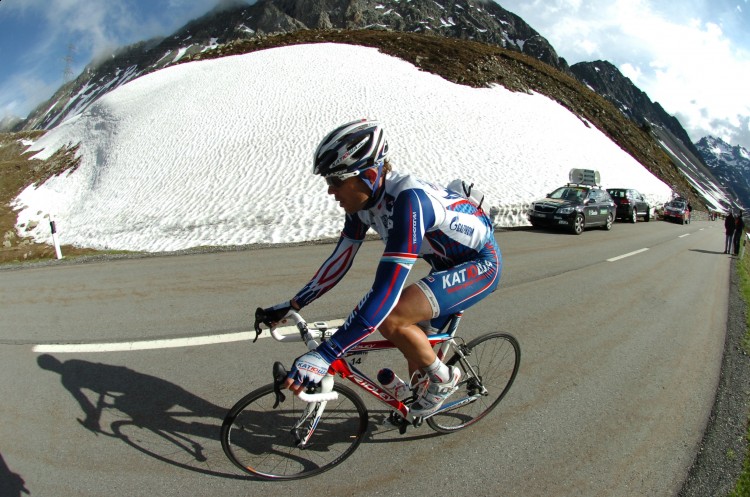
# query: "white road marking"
[683,236]
[166,343]
[613,259]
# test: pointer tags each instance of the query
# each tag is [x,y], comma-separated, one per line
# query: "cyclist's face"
[352,194]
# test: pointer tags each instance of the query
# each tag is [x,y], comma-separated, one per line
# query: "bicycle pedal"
[397,421]
[393,419]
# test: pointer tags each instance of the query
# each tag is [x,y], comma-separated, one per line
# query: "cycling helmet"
[350,149]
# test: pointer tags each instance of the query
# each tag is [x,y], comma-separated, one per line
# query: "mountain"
[218,152]
[424,32]
[729,164]
[606,80]
[463,19]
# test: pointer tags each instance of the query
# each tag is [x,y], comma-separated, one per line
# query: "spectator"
[739,226]
[729,231]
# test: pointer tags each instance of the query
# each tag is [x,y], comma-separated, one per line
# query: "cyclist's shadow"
[11,484]
[156,417]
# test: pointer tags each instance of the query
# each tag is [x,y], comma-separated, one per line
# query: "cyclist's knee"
[395,326]
[390,328]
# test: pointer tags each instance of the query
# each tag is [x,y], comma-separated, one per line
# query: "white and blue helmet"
[350,149]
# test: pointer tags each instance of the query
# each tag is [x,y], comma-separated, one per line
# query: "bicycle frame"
[316,431]
[344,366]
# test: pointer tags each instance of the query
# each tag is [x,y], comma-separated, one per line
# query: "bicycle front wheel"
[488,368]
[263,441]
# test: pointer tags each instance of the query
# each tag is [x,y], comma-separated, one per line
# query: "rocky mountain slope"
[606,80]
[466,41]
[463,19]
[729,164]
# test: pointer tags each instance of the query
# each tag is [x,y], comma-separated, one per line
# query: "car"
[630,204]
[575,207]
[677,210]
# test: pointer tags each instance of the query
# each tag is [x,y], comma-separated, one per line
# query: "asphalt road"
[620,363]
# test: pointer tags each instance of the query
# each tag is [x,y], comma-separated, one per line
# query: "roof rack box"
[584,177]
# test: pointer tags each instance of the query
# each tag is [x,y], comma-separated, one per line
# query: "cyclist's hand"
[271,315]
[307,370]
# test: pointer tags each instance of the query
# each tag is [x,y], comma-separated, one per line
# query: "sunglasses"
[336,180]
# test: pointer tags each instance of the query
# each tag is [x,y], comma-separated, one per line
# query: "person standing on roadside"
[729,232]
[739,226]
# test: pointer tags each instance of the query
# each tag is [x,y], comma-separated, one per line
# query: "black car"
[574,207]
[630,204]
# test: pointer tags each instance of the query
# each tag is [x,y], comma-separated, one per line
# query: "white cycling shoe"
[431,398]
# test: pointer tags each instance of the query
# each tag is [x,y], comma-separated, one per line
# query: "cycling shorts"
[456,289]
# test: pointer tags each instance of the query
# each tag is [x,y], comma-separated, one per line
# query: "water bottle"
[393,384]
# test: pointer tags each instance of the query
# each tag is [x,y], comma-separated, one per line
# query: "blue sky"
[35,36]
[691,56]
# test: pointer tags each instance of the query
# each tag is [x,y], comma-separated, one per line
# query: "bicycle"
[275,438]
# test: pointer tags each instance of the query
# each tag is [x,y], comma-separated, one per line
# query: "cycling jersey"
[415,219]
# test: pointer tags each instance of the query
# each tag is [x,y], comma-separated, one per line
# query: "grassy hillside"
[463,62]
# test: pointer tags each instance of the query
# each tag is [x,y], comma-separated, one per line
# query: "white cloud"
[630,71]
[19,90]
[93,27]
[679,53]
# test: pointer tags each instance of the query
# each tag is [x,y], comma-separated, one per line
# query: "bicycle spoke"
[488,370]
[259,439]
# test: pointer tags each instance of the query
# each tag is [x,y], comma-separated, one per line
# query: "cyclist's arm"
[337,265]
[412,214]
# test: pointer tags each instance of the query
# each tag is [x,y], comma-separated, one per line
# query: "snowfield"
[219,152]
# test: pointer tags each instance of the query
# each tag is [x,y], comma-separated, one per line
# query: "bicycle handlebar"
[318,397]
[279,375]
[304,332]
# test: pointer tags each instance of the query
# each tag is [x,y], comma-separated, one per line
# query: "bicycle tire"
[257,438]
[495,357]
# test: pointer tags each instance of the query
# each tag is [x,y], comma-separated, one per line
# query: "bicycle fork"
[304,428]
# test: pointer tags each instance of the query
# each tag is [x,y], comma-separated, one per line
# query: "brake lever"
[260,317]
[279,376]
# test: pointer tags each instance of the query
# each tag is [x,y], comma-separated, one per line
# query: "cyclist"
[414,219]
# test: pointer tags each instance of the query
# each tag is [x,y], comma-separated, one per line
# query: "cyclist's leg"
[452,290]
[435,296]
[400,328]
[458,288]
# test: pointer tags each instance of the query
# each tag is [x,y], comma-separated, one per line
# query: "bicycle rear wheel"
[259,440]
[487,372]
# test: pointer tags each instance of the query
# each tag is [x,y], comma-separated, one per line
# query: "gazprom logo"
[461,228]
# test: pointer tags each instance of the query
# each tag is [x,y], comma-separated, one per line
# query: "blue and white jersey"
[415,219]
